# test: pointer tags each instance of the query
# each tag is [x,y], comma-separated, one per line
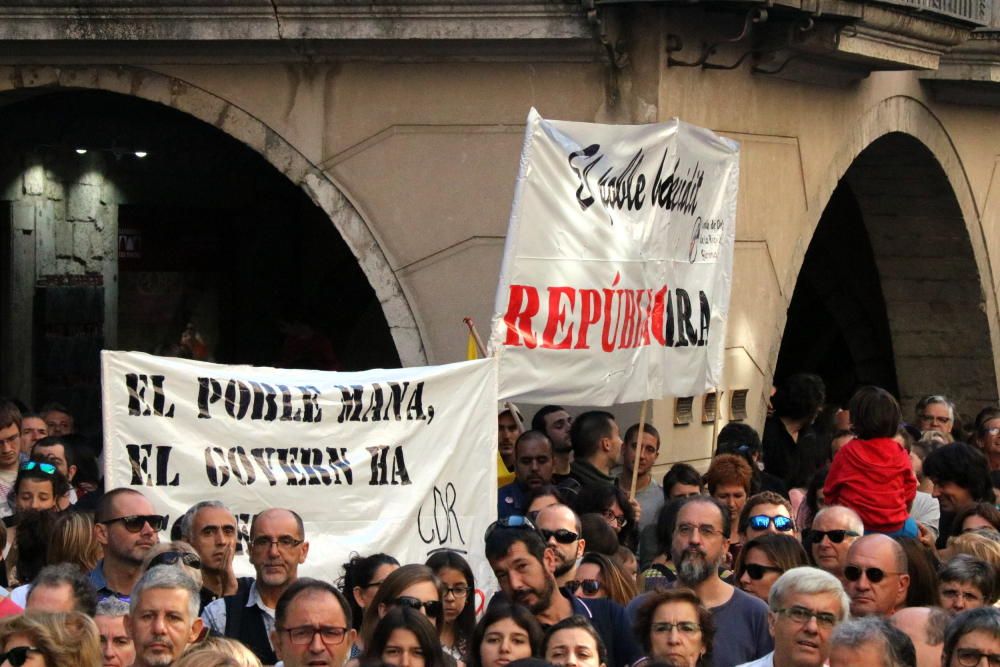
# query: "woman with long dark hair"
[458,586]
[404,637]
[506,632]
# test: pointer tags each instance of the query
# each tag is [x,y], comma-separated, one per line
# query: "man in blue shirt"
[524,569]
[532,469]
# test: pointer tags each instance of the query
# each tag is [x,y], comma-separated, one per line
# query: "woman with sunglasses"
[405,638]
[872,474]
[41,639]
[458,587]
[675,629]
[764,559]
[597,576]
[972,636]
[414,586]
[506,632]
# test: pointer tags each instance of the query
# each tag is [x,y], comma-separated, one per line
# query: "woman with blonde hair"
[73,541]
[218,652]
[62,640]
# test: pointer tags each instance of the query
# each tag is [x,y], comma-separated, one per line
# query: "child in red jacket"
[872,474]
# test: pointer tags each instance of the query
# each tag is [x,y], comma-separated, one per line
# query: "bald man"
[925,626]
[277,548]
[833,532]
[876,574]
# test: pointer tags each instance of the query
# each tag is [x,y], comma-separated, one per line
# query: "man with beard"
[555,423]
[126,526]
[560,526]
[700,541]
[163,616]
[524,569]
[277,548]
[532,470]
[210,528]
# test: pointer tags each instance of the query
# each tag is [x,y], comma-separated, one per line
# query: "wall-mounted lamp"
[81,151]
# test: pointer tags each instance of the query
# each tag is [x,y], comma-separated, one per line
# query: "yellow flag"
[471,351]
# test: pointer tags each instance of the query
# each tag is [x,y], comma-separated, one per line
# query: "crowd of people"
[841,536]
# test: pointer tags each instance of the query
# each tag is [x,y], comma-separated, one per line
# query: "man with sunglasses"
[833,532]
[764,513]
[560,527]
[127,527]
[805,605]
[312,626]
[524,569]
[277,548]
[877,576]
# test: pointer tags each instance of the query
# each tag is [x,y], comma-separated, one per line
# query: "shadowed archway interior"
[208,234]
[889,292]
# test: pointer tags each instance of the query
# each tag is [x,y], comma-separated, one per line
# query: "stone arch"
[917,206]
[253,132]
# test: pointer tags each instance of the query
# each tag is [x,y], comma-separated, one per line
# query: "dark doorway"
[837,326]
[215,247]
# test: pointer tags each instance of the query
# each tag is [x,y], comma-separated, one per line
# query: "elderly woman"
[50,640]
[675,628]
[972,636]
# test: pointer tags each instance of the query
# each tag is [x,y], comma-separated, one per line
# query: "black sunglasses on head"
[516,521]
[171,558]
[432,607]
[17,656]
[135,522]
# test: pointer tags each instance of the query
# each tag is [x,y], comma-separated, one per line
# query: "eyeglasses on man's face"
[303,634]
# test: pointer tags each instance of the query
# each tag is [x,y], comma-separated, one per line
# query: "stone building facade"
[869,199]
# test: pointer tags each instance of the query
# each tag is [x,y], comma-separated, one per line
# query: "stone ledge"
[970,74]
[264,20]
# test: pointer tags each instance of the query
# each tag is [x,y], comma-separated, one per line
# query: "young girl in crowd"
[872,474]
[412,585]
[458,587]
[363,575]
[573,641]
[406,638]
[507,632]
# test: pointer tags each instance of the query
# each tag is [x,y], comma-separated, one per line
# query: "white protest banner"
[616,272]
[401,461]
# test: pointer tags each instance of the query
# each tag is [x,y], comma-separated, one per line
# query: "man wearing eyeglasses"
[700,542]
[277,548]
[877,576]
[936,413]
[312,625]
[833,532]
[127,527]
[805,605]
